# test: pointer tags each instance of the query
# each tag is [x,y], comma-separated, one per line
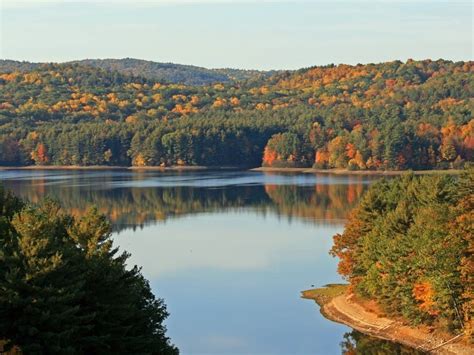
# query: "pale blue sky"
[239,34]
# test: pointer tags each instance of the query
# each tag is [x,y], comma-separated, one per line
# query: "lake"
[229,251]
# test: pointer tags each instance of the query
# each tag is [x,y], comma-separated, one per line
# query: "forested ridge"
[163,72]
[409,245]
[413,115]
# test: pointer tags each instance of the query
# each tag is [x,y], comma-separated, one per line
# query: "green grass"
[325,294]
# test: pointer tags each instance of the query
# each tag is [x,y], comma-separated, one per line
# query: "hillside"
[415,270]
[8,66]
[163,72]
[413,115]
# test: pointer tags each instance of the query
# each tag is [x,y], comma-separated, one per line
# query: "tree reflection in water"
[131,203]
[356,343]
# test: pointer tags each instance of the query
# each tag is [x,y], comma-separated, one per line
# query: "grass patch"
[325,294]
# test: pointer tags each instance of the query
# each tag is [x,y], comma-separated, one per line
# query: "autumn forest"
[388,116]
[409,245]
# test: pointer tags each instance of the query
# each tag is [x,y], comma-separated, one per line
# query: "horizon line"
[235,68]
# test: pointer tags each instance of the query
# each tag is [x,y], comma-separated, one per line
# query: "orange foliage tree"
[40,154]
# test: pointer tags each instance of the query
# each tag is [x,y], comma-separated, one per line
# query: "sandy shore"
[343,308]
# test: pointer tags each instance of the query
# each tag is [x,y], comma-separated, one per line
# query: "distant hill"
[386,116]
[8,66]
[163,72]
[168,72]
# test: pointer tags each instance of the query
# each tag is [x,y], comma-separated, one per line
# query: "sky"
[247,34]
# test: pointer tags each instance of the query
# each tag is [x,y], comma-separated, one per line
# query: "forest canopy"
[394,115]
[409,245]
[65,289]
[162,72]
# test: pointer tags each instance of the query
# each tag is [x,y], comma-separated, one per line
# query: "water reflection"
[135,199]
[356,343]
[232,281]
[229,251]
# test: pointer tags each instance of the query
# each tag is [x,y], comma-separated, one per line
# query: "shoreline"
[338,306]
[258,169]
[106,167]
[356,172]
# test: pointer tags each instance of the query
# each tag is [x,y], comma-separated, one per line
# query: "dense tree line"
[66,289]
[175,73]
[409,245]
[413,115]
[162,72]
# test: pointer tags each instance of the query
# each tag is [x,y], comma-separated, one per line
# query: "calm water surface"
[228,251]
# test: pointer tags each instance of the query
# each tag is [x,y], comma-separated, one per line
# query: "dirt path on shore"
[344,309]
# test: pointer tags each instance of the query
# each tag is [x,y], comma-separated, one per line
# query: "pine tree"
[66,289]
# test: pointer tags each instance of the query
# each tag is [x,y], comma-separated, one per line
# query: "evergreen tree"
[408,245]
[66,289]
